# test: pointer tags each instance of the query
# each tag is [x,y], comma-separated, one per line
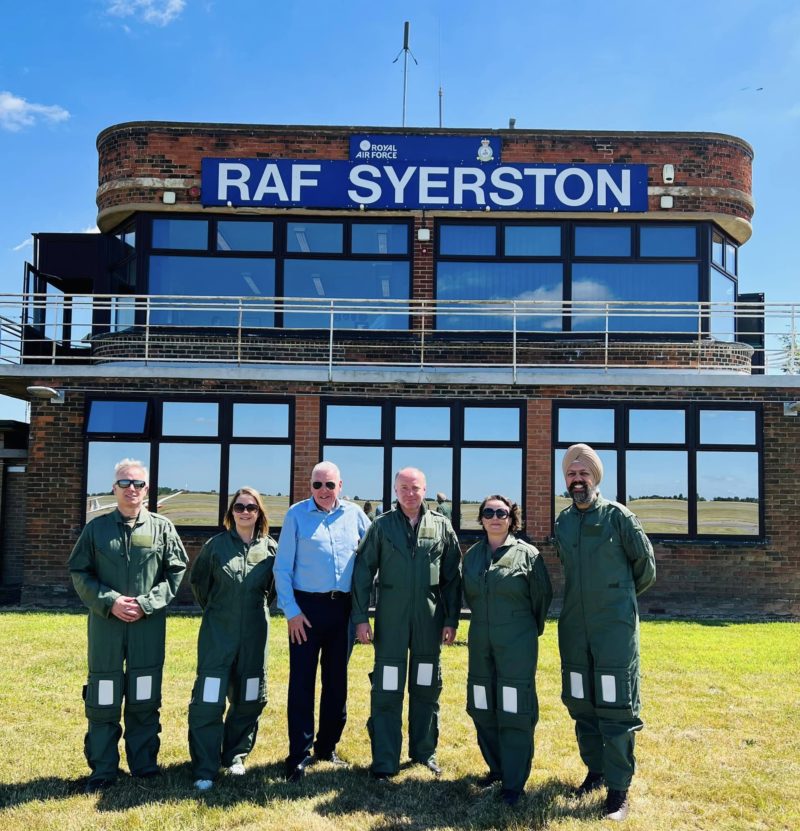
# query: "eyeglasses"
[126,483]
[331,486]
[490,513]
[240,508]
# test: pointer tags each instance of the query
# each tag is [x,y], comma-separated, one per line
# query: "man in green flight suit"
[126,567]
[416,555]
[608,560]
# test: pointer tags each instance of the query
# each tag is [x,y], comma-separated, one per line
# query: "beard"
[581,497]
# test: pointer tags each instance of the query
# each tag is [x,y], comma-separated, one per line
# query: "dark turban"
[585,455]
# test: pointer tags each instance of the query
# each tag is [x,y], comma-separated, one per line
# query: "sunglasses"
[126,483]
[241,508]
[329,485]
[490,513]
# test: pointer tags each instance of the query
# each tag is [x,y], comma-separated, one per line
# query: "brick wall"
[761,578]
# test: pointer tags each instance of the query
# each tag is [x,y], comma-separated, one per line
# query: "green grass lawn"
[720,750]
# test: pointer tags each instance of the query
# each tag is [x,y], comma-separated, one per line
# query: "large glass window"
[685,471]
[370,238]
[467,451]
[468,240]
[533,240]
[603,241]
[722,317]
[244,236]
[201,451]
[667,241]
[315,237]
[189,234]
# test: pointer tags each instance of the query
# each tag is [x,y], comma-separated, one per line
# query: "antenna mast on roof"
[405,52]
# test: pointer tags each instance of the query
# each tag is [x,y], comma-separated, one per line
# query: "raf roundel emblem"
[485,152]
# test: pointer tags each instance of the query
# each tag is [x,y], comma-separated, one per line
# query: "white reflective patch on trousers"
[391,679]
[144,687]
[576,685]
[211,690]
[510,699]
[251,689]
[105,692]
[609,687]
[424,675]
[479,696]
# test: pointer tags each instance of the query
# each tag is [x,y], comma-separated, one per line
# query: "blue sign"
[447,149]
[295,183]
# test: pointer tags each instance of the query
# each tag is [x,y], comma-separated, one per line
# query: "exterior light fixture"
[169,197]
[424,234]
[668,174]
[47,394]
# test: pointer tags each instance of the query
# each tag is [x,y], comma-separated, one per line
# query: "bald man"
[416,555]
[608,560]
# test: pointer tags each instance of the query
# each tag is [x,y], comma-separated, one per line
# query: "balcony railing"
[90,329]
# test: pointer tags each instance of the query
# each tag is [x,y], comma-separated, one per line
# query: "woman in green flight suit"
[233,583]
[508,590]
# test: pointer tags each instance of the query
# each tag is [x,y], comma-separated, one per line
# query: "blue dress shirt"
[316,550]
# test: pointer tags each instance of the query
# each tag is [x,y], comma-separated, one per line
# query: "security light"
[47,394]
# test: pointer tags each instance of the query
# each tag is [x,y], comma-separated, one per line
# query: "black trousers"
[328,645]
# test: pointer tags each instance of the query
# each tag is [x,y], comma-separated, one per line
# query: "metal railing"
[89,329]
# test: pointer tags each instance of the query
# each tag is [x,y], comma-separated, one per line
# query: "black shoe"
[592,782]
[148,774]
[616,805]
[379,775]
[332,758]
[294,772]
[97,785]
[510,798]
[431,764]
[489,779]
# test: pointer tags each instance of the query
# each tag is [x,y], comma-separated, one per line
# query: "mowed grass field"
[720,750]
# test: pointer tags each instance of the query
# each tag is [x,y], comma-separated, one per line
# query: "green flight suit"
[607,560]
[109,560]
[234,585]
[419,593]
[509,593]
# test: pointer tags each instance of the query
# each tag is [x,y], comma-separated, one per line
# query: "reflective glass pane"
[323,280]
[658,489]
[730,258]
[602,241]
[667,241]
[189,418]
[267,468]
[180,233]
[717,249]
[123,313]
[422,423]
[362,474]
[468,240]
[722,317]
[727,427]
[102,458]
[117,417]
[188,483]
[485,471]
[608,484]
[499,283]
[585,424]
[621,283]
[213,277]
[435,462]
[314,237]
[533,240]
[727,493]
[352,422]
[491,423]
[379,239]
[244,236]
[657,426]
[261,420]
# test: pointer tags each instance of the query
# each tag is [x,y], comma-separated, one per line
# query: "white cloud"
[24,244]
[157,12]
[17,113]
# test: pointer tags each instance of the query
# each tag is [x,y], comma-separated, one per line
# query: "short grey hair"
[327,466]
[126,463]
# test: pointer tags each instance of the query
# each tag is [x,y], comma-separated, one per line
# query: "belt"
[331,595]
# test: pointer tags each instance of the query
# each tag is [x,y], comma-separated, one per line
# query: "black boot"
[592,782]
[616,805]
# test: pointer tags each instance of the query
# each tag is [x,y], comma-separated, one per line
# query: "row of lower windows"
[687,470]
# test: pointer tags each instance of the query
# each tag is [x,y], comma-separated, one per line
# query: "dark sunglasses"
[490,513]
[240,508]
[126,483]
[329,485]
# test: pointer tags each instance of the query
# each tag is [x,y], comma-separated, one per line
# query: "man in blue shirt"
[313,572]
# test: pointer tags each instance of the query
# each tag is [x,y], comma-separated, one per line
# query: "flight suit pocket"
[613,688]
[143,686]
[102,696]
[210,687]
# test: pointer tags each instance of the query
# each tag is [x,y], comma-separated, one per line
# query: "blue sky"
[70,69]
